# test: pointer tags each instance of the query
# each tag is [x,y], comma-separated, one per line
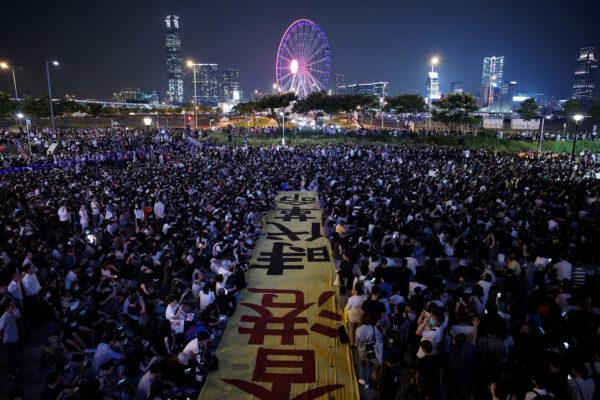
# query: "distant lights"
[577,117]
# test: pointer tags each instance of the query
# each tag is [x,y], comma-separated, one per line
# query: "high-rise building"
[433,86]
[208,84]
[377,89]
[584,87]
[491,79]
[340,80]
[230,85]
[174,60]
[457,87]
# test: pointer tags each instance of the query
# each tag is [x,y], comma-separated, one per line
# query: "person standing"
[10,337]
[354,311]
[369,342]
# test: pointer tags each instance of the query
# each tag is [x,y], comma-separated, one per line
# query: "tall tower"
[174,60]
[584,86]
[433,82]
[491,79]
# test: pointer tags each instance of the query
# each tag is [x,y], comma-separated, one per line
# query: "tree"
[94,109]
[455,109]
[406,104]
[67,106]
[272,103]
[247,108]
[528,110]
[7,105]
[571,107]
[36,107]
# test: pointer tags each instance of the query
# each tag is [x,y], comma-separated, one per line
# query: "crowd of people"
[473,271]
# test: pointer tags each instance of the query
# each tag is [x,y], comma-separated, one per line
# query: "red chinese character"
[324,329]
[300,362]
[286,324]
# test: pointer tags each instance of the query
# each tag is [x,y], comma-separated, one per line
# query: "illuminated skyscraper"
[340,80]
[230,85]
[584,87]
[491,79]
[208,81]
[174,60]
[433,82]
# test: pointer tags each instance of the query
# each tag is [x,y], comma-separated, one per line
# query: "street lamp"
[210,121]
[577,118]
[147,122]
[20,116]
[5,65]
[192,65]
[56,64]
[283,130]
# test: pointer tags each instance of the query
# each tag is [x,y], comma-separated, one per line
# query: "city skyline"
[84,39]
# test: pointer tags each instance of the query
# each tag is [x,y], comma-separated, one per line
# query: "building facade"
[208,84]
[174,59]
[584,86]
[230,85]
[433,87]
[457,87]
[377,89]
[493,69]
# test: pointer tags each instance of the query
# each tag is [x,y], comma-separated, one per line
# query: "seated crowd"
[471,270]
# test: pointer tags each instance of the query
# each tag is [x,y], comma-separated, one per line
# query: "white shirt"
[31,285]
[14,288]
[69,279]
[206,299]
[354,307]
[159,209]
[412,264]
[171,311]
[192,348]
[563,270]
[63,214]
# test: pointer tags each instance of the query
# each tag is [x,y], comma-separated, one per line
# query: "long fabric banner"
[282,342]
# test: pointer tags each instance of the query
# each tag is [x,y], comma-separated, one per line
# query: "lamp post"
[4,65]
[210,121]
[191,64]
[147,122]
[55,63]
[577,118]
[283,130]
[20,116]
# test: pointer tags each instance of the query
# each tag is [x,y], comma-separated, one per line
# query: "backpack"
[369,351]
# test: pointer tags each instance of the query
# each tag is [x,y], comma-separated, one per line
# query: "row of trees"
[452,110]
[38,107]
[531,110]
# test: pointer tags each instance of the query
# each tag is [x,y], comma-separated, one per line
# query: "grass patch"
[470,142]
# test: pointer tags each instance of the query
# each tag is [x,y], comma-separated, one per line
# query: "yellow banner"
[282,342]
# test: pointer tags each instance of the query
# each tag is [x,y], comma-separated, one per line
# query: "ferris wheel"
[303,62]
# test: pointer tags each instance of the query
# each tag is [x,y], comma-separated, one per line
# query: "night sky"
[104,46]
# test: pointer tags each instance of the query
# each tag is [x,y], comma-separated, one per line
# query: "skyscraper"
[491,79]
[376,89]
[457,87]
[174,60]
[208,83]
[230,85]
[584,87]
[433,86]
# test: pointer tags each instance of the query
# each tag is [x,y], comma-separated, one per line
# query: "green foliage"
[406,104]
[528,110]
[571,107]
[455,109]
[67,106]
[274,102]
[36,107]
[7,105]
[94,109]
[247,108]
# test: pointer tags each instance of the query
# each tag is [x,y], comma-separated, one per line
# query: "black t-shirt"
[374,308]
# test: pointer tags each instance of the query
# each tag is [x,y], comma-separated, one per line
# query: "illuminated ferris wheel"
[303,62]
